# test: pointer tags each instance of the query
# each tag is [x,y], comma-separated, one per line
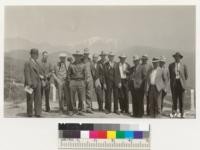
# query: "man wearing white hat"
[136,87]
[155,84]
[89,81]
[111,84]
[166,76]
[123,73]
[60,77]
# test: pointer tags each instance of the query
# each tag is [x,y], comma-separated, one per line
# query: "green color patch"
[120,134]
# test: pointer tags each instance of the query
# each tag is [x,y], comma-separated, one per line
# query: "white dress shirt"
[122,69]
[177,70]
[153,77]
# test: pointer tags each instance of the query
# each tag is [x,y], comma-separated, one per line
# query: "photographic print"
[99,62]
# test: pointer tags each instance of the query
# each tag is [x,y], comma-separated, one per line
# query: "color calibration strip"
[104,136]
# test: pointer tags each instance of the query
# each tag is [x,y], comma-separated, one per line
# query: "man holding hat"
[136,88]
[123,73]
[155,83]
[146,68]
[78,77]
[60,77]
[166,75]
[33,77]
[89,82]
[111,79]
[178,76]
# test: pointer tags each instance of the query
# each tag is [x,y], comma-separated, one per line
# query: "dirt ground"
[13,109]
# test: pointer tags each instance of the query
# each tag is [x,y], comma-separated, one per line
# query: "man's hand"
[104,86]
[119,85]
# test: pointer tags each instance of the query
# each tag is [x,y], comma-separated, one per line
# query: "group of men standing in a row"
[106,77]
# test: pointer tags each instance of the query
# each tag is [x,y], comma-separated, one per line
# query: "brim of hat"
[135,59]
[162,60]
[77,54]
[63,56]
[122,57]
[111,55]
[144,58]
[177,55]
[155,61]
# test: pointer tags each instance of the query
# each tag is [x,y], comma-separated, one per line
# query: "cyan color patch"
[129,135]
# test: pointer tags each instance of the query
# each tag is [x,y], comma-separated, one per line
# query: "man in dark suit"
[97,84]
[112,80]
[178,76]
[146,68]
[33,76]
[154,86]
[101,74]
[47,71]
[122,71]
[137,77]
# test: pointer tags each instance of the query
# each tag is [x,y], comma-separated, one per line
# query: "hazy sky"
[156,26]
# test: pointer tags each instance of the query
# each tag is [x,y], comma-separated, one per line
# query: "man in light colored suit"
[155,84]
[123,72]
[166,76]
[137,78]
[178,76]
[60,74]
[33,76]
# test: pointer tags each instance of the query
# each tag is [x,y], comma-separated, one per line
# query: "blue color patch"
[129,135]
[138,134]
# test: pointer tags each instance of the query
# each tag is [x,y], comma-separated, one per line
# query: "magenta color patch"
[93,134]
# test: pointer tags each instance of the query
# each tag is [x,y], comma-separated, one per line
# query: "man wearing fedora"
[97,83]
[60,74]
[47,71]
[178,76]
[122,70]
[166,81]
[136,79]
[146,68]
[77,78]
[155,84]
[33,77]
[89,82]
[112,80]
[101,75]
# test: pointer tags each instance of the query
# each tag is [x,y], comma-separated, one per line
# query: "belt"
[77,79]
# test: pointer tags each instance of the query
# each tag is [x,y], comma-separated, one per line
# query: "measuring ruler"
[104,136]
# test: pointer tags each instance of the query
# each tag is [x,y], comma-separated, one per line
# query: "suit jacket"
[166,78]
[118,75]
[111,73]
[159,79]
[32,73]
[137,76]
[95,71]
[101,71]
[183,74]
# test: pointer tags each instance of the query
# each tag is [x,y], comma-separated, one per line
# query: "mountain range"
[17,51]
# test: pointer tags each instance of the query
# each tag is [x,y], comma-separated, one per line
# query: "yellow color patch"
[111,134]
